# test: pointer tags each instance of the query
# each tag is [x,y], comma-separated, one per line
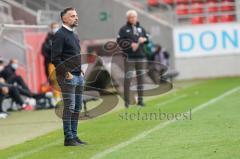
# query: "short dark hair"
[65,11]
[1,61]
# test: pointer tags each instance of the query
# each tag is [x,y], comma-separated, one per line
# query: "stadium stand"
[5,13]
[192,11]
[30,12]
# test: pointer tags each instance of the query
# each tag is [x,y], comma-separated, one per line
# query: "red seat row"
[171,2]
[152,2]
[198,8]
[213,19]
[195,7]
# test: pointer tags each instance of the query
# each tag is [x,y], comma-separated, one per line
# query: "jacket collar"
[137,25]
[67,27]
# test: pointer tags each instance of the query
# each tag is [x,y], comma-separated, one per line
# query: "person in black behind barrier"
[67,60]
[10,76]
[14,80]
[47,47]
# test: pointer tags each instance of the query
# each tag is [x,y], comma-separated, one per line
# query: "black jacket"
[8,73]
[47,47]
[66,52]
[126,37]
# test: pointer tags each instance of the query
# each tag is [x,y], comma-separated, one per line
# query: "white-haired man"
[135,36]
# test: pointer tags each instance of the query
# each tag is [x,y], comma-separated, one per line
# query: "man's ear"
[63,19]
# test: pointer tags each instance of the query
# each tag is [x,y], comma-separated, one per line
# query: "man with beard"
[66,58]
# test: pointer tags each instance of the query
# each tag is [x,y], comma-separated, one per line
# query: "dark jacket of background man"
[126,34]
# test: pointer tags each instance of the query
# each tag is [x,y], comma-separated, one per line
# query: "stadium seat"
[182,9]
[152,2]
[227,18]
[197,20]
[228,0]
[227,6]
[182,1]
[213,19]
[212,7]
[196,8]
[212,0]
[168,1]
[197,1]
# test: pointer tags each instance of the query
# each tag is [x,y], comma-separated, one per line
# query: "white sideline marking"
[171,100]
[160,126]
[21,155]
[134,139]
[59,141]
[27,153]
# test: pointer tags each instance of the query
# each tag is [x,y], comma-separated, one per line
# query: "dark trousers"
[72,91]
[46,64]
[1,100]
[156,71]
[20,82]
[46,68]
[131,66]
[23,89]
[14,94]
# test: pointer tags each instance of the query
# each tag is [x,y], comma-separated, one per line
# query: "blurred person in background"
[161,55]
[160,70]
[47,48]
[158,60]
[136,36]
[3,91]
[16,82]
[10,91]
[10,76]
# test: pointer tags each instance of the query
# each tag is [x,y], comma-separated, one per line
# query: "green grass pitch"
[209,129]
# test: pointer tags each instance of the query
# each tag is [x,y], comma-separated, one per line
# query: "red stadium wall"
[33,72]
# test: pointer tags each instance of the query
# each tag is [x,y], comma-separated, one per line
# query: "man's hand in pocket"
[69,76]
[5,90]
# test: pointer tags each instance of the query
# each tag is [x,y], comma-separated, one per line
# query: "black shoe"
[126,105]
[71,142]
[141,104]
[80,141]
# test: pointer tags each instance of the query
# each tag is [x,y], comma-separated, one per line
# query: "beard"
[75,24]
